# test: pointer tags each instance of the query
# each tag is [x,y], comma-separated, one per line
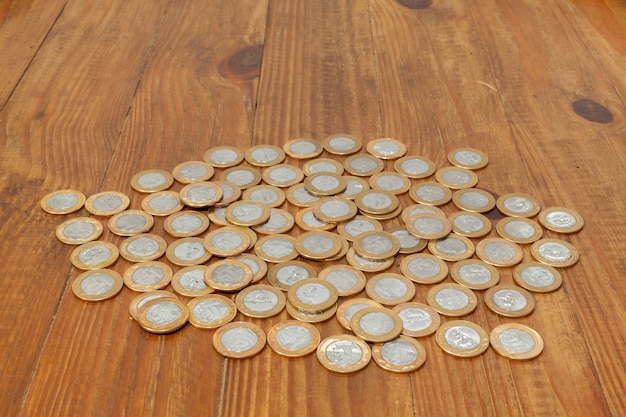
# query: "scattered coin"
[97,285]
[325,184]
[227,275]
[340,144]
[334,209]
[193,171]
[418,319]
[428,226]
[268,195]
[462,338]
[239,340]
[414,209]
[358,225]
[230,193]
[187,251]
[408,242]
[452,300]
[555,252]
[226,241]
[130,222]
[430,193]
[303,148]
[260,301]
[211,311]
[142,247]
[276,248]
[344,353]
[390,181]
[247,213]
[468,158]
[376,245]
[561,219]
[456,178]
[519,229]
[376,324]
[300,197]
[223,156]
[97,254]
[474,274]
[376,202]
[499,252]
[186,223]
[452,247]
[346,279]
[518,205]
[424,268]
[318,245]
[282,175]
[142,298]
[201,194]
[346,309]
[308,317]
[390,289]
[293,338]
[244,177]
[152,180]
[189,281]
[79,230]
[163,315]
[63,201]
[509,301]
[537,277]
[354,186]
[162,203]
[280,221]
[147,276]
[474,200]
[414,166]
[264,155]
[516,341]
[317,165]
[107,203]
[469,224]
[258,265]
[366,265]
[401,355]
[386,148]
[363,165]
[312,295]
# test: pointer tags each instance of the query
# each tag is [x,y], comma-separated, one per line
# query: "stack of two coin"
[312,300]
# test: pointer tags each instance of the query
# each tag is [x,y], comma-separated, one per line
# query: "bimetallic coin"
[152,180]
[276,248]
[217,215]
[227,275]
[97,254]
[163,315]
[351,229]
[244,177]
[452,248]
[247,213]
[193,171]
[308,317]
[428,226]
[201,194]
[130,222]
[537,277]
[293,338]
[390,181]
[268,195]
[509,301]
[390,289]
[260,301]
[468,158]
[452,300]
[414,166]
[555,252]
[239,340]
[376,202]
[462,338]
[518,205]
[303,148]
[211,311]
[519,229]
[226,241]
[376,245]
[258,265]
[385,216]
[456,178]
[344,353]
[499,252]
[318,165]
[516,341]
[223,156]
[418,319]
[79,230]
[187,251]
[280,221]
[97,285]
[264,155]
[348,308]
[142,298]
[143,247]
[346,279]
[284,275]
[414,209]
[561,219]
[469,224]
[318,245]
[366,265]
[474,274]
[282,175]
[334,209]
[386,148]
[401,355]
[474,200]
[376,324]
[300,197]
[189,281]
[230,193]
[325,184]
[354,186]
[312,295]
[107,203]
[147,276]
[363,165]
[430,193]
[424,268]
[340,144]
[408,242]
[162,203]
[62,202]
[186,223]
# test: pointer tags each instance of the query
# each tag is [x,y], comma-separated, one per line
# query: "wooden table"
[93,92]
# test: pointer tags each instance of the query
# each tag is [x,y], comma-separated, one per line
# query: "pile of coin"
[329,230]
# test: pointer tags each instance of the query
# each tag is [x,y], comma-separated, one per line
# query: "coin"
[452,300]
[312,295]
[519,229]
[293,338]
[386,148]
[518,205]
[363,165]
[147,276]
[308,317]
[390,289]
[97,254]
[324,184]
[227,275]
[226,241]
[345,246]
[561,219]
[509,301]
[318,165]
[414,166]
[217,215]
[346,279]
[97,285]
[341,144]
[343,353]
[282,175]
[346,309]
[247,213]
[418,319]
[462,338]
[130,222]
[264,155]
[474,200]
[384,216]
[239,340]
[354,186]
[62,201]
[162,203]
[189,281]
[452,247]
[469,224]
[268,195]
[276,248]
[300,197]
[430,193]
[402,355]
[334,209]
[163,315]
[351,229]
[468,158]
[186,223]
[201,194]
[303,148]
[414,209]
[260,301]
[555,252]
[286,274]
[211,311]
[107,203]
[280,221]
[376,324]
[537,277]
[142,247]
[244,177]
[79,230]
[366,265]
[376,202]
[193,171]
[376,245]
[187,251]
[317,245]
[258,265]
[516,341]
[424,268]
[230,193]
[456,178]
[390,181]
[474,274]
[499,252]
[142,298]
[428,226]
[223,156]
[152,180]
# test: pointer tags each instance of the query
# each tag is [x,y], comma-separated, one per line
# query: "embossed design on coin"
[424,268]
[163,315]
[403,354]
[452,299]
[147,276]
[475,274]
[415,166]
[537,277]
[192,171]
[97,254]
[239,340]
[555,252]
[341,144]
[430,193]
[344,353]
[130,222]
[303,148]
[468,158]
[97,285]
[452,248]
[260,301]
[509,301]
[223,156]
[499,252]
[417,319]
[152,180]
[211,311]
[264,155]
[375,324]
[386,148]
[363,165]
[516,341]
[107,203]
[293,338]
[162,203]
[462,338]
[390,289]
[186,223]
[518,205]
[187,251]
[276,248]
[79,230]
[561,219]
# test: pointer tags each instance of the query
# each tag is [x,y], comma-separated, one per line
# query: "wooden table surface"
[93,92]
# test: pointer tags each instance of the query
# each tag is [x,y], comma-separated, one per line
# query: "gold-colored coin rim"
[186,180]
[312,189]
[169,229]
[258,347]
[232,218]
[117,286]
[252,161]
[308,317]
[163,328]
[170,255]
[341,227]
[328,147]
[246,311]
[351,196]
[256,176]
[272,275]
[325,217]
[387,216]
[434,315]
[391,367]
[74,256]
[443,343]
[300,248]
[445,231]
[456,276]
[214,218]
[260,263]
[145,203]
[141,298]
[180,289]
[306,168]
[258,248]
[306,226]
[397,165]
[407,211]
[134,181]
[345,305]
[318,148]
[471,249]
[218,286]
[128,276]
[406,183]
[292,296]
[290,195]
[504,210]
[353,259]
[456,200]
[580,222]
[45,202]
[373,338]
[365,209]
[226,200]
[517,276]
[91,209]
[360,364]
[371,291]
[124,253]
[518,252]
[439,176]
[223,253]
[494,339]
[247,195]
[290,223]
[452,158]
[575,255]
[355,289]
[219,193]
[269,180]
[201,324]
[469,308]
[207,156]
[500,229]
[443,268]
[480,233]
[530,301]
[272,339]
[122,232]
[370,148]
[446,191]
[363,252]
[98,229]
[380,165]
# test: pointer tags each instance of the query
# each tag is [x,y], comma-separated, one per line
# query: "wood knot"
[416,4]
[245,64]
[592,111]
